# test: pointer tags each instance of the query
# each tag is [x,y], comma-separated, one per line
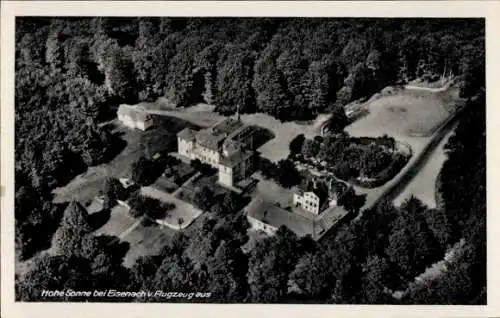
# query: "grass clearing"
[119,221]
[284,132]
[86,186]
[146,240]
[183,210]
[407,115]
[143,239]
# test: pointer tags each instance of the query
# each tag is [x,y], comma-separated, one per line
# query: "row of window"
[309,203]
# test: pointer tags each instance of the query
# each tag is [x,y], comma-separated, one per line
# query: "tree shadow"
[116,147]
[116,248]
[148,222]
[261,136]
[98,219]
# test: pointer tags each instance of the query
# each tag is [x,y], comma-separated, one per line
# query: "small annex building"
[134,117]
[268,217]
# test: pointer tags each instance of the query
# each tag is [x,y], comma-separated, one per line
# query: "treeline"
[72,72]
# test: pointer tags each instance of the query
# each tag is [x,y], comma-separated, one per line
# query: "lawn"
[284,132]
[183,210]
[407,115]
[146,240]
[143,239]
[119,222]
[86,186]
[151,239]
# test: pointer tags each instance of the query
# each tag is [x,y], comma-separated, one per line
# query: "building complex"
[227,146]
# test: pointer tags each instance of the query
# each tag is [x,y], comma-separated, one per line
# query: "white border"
[488,9]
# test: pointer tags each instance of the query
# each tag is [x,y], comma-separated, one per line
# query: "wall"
[261,226]
[308,196]
[185,148]
[225,175]
[207,155]
[143,125]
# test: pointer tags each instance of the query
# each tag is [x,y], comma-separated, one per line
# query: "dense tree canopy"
[72,73]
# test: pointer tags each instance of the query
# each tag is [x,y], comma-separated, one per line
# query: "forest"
[72,73]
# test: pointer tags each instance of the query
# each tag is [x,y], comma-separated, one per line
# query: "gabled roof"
[137,113]
[207,139]
[187,134]
[275,216]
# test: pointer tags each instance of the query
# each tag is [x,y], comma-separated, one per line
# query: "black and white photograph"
[249,160]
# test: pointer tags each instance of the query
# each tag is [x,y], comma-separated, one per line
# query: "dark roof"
[213,137]
[186,134]
[276,217]
[207,139]
[236,157]
[243,129]
[137,113]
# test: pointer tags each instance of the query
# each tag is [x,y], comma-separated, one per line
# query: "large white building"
[227,146]
[134,117]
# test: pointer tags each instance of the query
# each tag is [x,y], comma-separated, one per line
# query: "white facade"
[134,117]
[226,175]
[221,149]
[186,148]
[191,150]
[261,226]
[207,155]
[308,201]
[143,125]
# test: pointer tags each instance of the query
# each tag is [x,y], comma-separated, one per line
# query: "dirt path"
[130,229]
[395,186]
[193,177]
[423,184]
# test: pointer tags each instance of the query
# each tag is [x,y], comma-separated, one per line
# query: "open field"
[87,185]
[119,222]
[405,115]
[423,185]
[374,124]
[284,132]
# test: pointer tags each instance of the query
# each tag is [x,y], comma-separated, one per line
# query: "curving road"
[395,186]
